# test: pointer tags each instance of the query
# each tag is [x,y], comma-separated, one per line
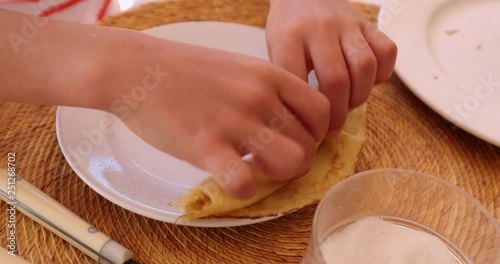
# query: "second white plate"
[449,56]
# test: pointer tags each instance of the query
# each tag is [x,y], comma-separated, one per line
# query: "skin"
[348,53]
[194,104]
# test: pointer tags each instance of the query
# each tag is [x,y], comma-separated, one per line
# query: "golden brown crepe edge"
[355,136]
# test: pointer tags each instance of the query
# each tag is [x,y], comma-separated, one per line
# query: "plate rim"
[430,102]
[135,207]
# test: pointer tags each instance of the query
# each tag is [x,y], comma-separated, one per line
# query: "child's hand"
[211,107]
[205,106]
[347,52]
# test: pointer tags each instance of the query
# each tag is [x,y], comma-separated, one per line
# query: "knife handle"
[5,257]
[24,197]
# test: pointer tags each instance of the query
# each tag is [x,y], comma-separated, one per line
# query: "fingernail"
[333,133]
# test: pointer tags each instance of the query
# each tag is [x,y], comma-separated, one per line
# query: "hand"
[347,52]
[211,107]
[205,106]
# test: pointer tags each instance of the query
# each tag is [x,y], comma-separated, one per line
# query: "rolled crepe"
[334,160]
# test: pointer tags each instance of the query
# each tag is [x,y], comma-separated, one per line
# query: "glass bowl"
[412,200]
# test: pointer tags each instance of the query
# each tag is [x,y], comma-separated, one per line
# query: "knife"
[23,197]
[9,257]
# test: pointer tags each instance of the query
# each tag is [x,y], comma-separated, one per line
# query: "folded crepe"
[334,160]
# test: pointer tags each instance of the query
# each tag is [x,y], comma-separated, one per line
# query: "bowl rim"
[444,182]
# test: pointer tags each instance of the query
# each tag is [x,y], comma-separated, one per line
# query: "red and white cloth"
[83,11]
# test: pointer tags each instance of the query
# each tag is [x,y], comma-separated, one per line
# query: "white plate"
[125,170]
[449,56]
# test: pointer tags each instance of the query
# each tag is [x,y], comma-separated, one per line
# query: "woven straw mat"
[402,133]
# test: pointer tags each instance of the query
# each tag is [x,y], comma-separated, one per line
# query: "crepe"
[334,160]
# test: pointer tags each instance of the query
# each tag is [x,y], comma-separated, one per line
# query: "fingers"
[228,170]
[308,105]
[333,78]
[362,66]
[288,53]
[281,149]
[384,49]
[280,159]
[294,130]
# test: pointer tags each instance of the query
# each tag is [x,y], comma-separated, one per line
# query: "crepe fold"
[334,160]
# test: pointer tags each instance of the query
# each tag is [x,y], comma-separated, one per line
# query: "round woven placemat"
[402,133]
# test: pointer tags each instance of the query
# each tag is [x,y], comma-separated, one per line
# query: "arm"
[202,105]
[59,63]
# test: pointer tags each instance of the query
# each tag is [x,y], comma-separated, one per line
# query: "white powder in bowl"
[375,241]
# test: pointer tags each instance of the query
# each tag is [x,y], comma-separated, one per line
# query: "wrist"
[72,64]
[124,62]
